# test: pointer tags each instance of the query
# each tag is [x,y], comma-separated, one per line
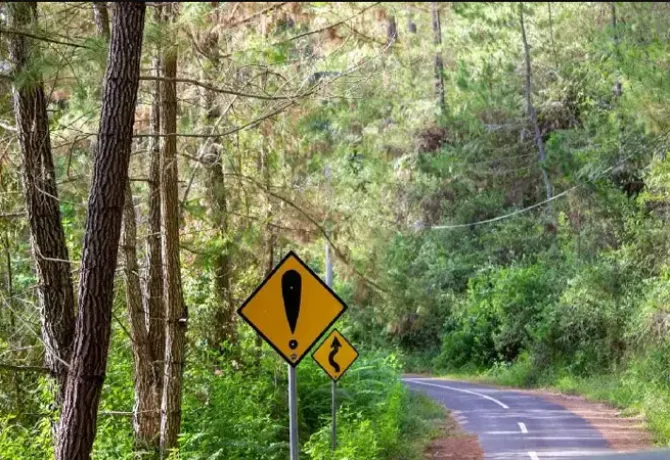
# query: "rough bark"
[224,318]
[101,19]
[55,291]
[269,229]
[533,115]
[146,408]
[148,433]
[391,31]
[10,302]
[175,318]
[155,303]
[101,239]
[439,64]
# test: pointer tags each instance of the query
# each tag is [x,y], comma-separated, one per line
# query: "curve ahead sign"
[335,355]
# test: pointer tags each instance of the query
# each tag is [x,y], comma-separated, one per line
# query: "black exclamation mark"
[291,289]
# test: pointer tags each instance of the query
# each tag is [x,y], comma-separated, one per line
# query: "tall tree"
[532,114]
[55,291]
[103,227]
[439,64]
[146,409]
[175,317]
[223,329]
[224,317]
[155,302]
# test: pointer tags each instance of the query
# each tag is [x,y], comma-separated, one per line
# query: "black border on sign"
[267,278]
[346,368]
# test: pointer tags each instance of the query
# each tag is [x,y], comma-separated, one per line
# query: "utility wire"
[531,207]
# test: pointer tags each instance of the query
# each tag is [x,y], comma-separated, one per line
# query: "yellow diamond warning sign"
[335,355]
[292,309]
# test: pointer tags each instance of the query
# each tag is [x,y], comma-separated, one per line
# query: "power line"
[536,205]
[495,219]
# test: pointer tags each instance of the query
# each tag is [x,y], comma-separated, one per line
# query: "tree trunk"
[175,324]
[269,229]
[103,228]
[146,415]
[224,318]
[439,64]
[55,291]
[551,35]
[533,115]
[270,239]
[411,25]
[615,38]
[10,302]
[155,302]
[146,409]
[618,89]
[391,31]
[101,19]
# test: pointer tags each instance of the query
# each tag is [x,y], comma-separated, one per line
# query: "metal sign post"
[333,385]
[293,413]
[333,435]
[291,310]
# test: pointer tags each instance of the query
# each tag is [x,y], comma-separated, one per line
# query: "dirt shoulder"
[453,443]
[625,434]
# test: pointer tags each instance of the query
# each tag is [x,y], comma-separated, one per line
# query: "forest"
[489,181]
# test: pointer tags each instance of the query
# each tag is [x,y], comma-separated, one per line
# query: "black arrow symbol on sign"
[335,347]
[291,289]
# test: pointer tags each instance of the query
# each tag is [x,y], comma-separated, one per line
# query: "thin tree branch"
[225,133]
[7,126]
[41,38]
[226,90]
[323,29]
[319,227]
[316,31]
[13,215]
[259,13]
[17,368]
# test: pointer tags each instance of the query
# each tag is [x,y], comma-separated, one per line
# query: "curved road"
[512,425]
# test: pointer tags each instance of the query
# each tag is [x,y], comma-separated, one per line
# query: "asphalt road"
[514,426]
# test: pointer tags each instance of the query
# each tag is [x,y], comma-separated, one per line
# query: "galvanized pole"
[329,266]
[333,385]
[333,389]
[293,413]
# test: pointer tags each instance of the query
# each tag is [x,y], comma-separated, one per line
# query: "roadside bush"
[587,326]
[502,311]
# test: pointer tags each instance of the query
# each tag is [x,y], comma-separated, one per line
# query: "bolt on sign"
[292,309]
[335,355]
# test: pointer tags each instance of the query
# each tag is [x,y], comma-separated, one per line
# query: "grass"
[423,424]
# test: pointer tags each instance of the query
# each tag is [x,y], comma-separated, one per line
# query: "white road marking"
[501,404]
[533,456]
[523,428]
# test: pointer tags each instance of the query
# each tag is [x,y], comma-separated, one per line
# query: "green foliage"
[446,251]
